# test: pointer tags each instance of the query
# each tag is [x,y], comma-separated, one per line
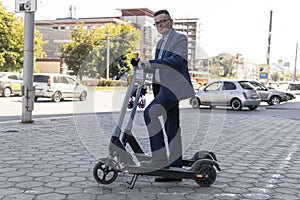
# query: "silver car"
[234,93]
[272,97]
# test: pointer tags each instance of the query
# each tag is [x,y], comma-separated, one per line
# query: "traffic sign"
[263,75]
[263,71]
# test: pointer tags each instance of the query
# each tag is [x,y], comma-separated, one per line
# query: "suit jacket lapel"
[158,48]
[168,42]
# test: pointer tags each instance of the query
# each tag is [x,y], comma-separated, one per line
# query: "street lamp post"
[107,55]
[295,69]
[269,45]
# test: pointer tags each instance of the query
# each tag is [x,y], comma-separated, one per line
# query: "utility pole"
[107,55]
[269,45]
[28,91]
[295,69]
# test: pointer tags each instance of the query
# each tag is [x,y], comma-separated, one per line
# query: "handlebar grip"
[134,62]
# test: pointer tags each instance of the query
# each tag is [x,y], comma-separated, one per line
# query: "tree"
[76,52]
[86,53]
[12,42]
[227,61]
[126,41]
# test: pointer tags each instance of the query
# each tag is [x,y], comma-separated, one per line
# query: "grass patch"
[99,88]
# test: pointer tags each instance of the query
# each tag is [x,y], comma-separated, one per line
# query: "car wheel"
[195,102]
[7,92]
[56,97]
[83,96]
[252,107]
[236,104]
[274,100]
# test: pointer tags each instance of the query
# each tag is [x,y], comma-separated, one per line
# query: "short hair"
[161,12]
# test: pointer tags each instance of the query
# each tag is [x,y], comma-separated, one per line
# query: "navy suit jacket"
[175,80]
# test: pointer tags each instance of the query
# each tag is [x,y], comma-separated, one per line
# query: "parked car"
[58,86]
[271,96]
[294,88]
[10,83]
[276,86]
[234,93]
[273,85]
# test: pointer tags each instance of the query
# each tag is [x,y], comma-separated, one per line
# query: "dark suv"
[293,87]
[10,83]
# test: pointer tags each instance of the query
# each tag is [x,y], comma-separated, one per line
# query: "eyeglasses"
[161,22]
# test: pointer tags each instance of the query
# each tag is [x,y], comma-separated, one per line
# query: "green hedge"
[105,83]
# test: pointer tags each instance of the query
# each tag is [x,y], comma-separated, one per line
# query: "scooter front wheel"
[207,175]
[106,172]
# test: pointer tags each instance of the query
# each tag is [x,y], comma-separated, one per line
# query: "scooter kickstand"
[130,184]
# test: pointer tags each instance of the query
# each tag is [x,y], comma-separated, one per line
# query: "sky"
[227,26]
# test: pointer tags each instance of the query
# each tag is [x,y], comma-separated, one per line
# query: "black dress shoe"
[167,180]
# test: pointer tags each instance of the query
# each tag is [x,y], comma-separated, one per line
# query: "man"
[172,84]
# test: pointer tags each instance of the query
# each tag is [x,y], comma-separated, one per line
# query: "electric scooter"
[201,167]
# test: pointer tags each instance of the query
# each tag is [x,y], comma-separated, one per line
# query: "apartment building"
[191,28]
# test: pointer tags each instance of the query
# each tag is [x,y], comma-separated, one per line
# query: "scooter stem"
[117,131]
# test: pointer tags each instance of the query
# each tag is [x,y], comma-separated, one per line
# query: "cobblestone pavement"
[54,158]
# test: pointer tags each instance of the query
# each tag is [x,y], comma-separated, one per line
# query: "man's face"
[163,23]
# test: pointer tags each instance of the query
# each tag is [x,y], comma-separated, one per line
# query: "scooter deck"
[171,172]
[145,157]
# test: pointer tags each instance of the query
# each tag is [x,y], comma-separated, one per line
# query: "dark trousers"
[169,110]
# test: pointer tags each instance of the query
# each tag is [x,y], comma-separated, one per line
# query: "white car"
[58,86]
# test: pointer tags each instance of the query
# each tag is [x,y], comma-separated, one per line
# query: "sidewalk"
[54,158]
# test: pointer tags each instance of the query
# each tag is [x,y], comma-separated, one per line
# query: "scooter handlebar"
[134,61]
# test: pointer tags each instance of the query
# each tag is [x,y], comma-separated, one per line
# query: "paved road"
[53,158]
[106,101]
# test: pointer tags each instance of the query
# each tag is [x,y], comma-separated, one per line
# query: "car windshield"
[246,85]
[262,86]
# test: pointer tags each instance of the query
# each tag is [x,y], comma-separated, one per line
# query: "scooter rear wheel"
[209,175]
[105,173]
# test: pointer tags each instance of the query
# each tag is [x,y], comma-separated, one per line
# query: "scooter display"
[201,167]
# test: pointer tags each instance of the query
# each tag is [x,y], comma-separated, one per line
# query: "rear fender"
[204,154]
[198,163]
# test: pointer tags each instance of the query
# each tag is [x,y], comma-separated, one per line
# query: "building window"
[90,27]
